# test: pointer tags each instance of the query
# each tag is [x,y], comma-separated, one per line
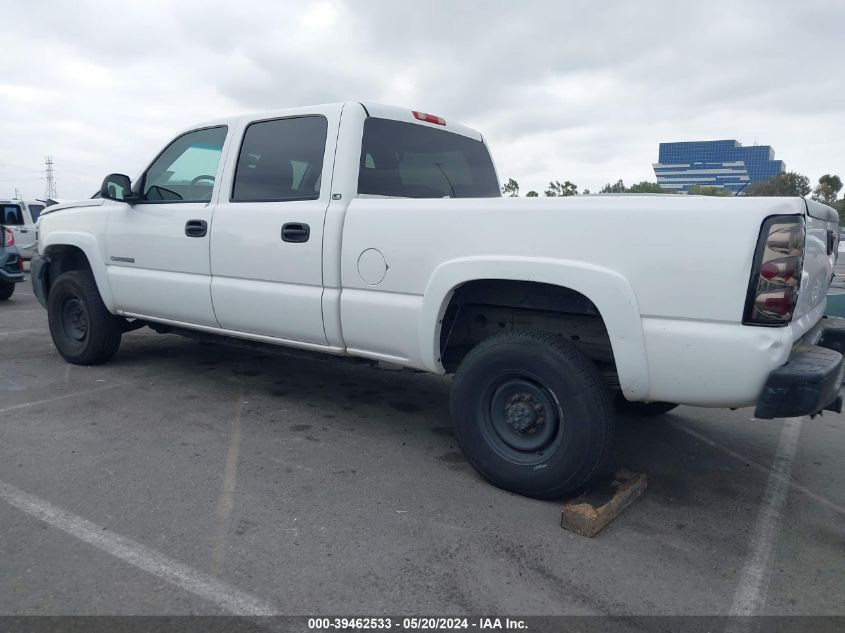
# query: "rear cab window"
[410,160]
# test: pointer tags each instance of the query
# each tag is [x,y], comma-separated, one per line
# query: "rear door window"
[414,161]
[281,160]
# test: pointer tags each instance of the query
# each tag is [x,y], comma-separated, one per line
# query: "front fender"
[38,268]
[91,247]
[608,290]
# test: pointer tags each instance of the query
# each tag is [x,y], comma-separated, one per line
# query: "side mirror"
[117,187]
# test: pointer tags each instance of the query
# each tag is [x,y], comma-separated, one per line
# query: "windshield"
[414,161]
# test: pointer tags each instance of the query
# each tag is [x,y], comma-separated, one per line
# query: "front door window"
[186,169]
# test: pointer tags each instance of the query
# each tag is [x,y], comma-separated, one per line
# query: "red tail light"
[776,304]
[429,118]
[785,271]
[776,272]
[8,237]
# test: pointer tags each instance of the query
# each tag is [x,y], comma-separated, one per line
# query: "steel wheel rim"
[74,317]
[520,418]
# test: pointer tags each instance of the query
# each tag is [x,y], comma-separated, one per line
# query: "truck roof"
[373,109]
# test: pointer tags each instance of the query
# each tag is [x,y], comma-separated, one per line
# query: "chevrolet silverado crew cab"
[380,233]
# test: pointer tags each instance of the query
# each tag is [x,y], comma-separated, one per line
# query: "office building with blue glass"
[721,164]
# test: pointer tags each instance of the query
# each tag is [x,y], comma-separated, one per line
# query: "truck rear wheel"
[6,290]
[532,413]
[83,330]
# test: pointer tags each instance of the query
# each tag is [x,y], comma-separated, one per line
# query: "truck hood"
[90,202]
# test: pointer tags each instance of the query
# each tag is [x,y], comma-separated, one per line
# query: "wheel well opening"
[64,258]
[482,308]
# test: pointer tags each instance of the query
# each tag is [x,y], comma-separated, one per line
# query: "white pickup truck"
[380,233]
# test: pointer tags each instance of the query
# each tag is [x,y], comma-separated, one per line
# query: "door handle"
[295,232]
[196,228]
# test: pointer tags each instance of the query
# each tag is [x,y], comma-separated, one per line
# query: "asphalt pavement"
[185,478]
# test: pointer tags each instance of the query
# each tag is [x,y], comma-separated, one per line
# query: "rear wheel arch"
[581,289]
[480,309]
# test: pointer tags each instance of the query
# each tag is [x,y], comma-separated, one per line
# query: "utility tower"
[50,190]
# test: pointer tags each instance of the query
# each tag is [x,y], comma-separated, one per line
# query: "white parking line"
[750,593]
[226,500]
[16,332]
[206,587]
[23,405]
[763,469]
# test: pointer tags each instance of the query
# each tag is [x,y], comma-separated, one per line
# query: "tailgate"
[820,252]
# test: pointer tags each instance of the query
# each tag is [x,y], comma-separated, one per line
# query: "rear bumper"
[811,380]
[11,278]
[10,267]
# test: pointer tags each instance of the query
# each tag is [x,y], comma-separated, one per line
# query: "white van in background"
[20,217]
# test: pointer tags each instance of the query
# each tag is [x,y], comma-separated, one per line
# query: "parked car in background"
[20,217]
[11,264]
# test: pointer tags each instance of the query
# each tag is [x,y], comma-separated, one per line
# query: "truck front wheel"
[83,330]
[532,413]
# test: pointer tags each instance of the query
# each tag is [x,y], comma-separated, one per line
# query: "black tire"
[532,413]
[6,290]
[643,409]
[83,330]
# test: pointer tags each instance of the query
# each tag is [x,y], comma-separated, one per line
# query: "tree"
[840,207]
[645,187]
[786,183]
[586,192]
[511,188]
[704,190]
[828,189]
[532,194]
[618,187]
[557,189]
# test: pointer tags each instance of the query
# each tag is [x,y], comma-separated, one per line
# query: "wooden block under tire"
[602,502]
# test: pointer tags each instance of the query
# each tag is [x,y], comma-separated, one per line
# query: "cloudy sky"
[563,89]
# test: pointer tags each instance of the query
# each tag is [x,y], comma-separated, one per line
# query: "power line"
[37,166]
[50,189]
